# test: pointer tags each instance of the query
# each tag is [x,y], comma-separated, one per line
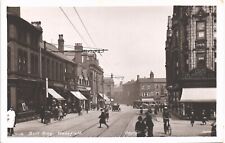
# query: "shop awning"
[78,95]
[147,100]
[55,94]
[198,95]
[104,97]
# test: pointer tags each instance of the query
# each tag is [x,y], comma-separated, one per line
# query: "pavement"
[37,122]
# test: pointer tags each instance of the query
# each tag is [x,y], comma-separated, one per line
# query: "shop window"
[22,61]
[201,62]
[200,30]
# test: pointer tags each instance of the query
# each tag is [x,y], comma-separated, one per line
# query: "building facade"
[191,57]
[92,75]
[34,65]
[23,69]
[152,90]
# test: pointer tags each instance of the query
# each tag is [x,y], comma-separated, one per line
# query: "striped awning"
[55,94]
[78,95]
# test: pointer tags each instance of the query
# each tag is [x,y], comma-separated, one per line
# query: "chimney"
[14,11]
[61,43]
[151,75]
[138,77]
[78,54]
[37,24]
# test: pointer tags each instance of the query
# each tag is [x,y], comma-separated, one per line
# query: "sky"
[134,36]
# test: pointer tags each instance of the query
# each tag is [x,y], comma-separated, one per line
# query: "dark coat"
[140,128]
[102,118]
[148,121]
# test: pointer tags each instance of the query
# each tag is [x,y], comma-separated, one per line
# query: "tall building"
[191,60]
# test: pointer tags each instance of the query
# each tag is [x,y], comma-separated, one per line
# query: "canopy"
[78,95]
[104,96]
[147,100]
[198,95]
[55,94]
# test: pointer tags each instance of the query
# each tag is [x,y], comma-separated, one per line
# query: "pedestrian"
[107,114]
[79,110]
[192,118]
[213,129]
[149,124]
[141,110]
[11,121]
[47,116]
[140,127]
[42,113]
[86,108]
[102,119]
[204,118]
[60,113]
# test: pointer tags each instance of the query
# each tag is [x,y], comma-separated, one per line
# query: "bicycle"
[167,127]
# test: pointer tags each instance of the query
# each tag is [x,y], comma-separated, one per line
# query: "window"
[34,64]
[200,30]
[201,60]
[22,61]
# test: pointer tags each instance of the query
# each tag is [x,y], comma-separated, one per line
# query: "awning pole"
[46,83]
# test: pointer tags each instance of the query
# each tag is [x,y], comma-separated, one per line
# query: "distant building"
[191,60]
[109,87]
[130,93]
[145,89]
[152,89]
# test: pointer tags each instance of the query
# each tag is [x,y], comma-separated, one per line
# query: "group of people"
[193,118]
[57,112]
[144,125]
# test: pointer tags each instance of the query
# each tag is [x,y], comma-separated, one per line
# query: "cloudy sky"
[134,36]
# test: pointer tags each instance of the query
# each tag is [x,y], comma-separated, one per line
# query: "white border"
[69,3]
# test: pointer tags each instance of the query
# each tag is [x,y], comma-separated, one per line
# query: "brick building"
[150,89]
[31,61]
[191,59]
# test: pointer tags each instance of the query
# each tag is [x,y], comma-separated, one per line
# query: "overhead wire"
[74,27]
[84,26]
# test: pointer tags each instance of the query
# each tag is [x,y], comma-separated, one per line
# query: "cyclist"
[166,119]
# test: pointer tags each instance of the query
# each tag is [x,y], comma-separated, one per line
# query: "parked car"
[116,107]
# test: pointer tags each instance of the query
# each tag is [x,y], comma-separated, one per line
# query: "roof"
[152,80]
[52,49]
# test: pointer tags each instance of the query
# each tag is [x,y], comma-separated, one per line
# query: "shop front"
[80,99]
[25,96]
[198,100]
[54,99]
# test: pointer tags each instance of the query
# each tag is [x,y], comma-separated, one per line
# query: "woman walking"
[102,118]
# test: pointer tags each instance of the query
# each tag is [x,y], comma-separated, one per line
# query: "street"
[121,124]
